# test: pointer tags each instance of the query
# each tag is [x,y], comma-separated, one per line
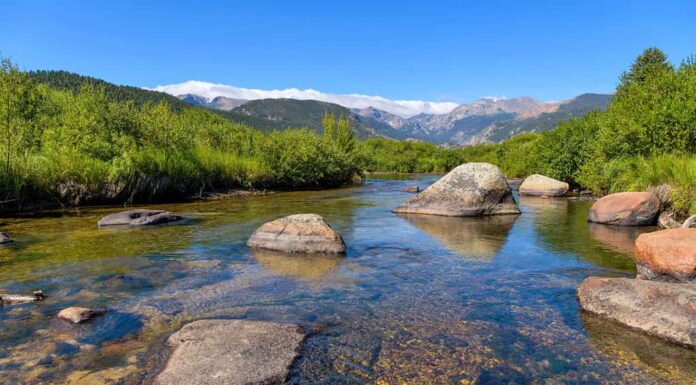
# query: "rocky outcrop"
[77,315]
[5,239]
[667,255]
[231,352]
[300,233]
[666,310]
[626,209]
[540,185]
[138,217]
[472,189]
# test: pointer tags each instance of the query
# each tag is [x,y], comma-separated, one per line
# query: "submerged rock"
[666,310]
[138,217]
[411,189]
[300,233]
[626,209]
[231,352]
[9,299]
[667,255]
[472,189]
[540,185]
[76,314]
[5,239]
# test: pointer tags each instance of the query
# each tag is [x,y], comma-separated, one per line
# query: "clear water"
[416,300]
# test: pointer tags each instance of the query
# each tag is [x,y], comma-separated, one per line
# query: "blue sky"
[429,50]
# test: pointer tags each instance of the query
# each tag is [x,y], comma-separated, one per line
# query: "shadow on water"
[475,239]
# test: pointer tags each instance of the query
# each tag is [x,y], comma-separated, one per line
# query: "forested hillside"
[73,140]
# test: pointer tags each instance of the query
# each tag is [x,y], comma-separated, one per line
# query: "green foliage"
[387,155]
[89,142]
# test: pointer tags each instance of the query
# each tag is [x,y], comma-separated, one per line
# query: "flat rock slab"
[626,209]
[667,255]
[231,352]
[300,233]
[470,190]
[666,310]
[540,185]
[138,217]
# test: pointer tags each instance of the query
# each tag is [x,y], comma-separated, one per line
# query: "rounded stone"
[77,315]
[300,233]
[667,255]
[540,185]
[471,189]
[626,209]
[138,217]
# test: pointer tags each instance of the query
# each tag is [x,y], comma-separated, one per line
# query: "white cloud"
[403,108]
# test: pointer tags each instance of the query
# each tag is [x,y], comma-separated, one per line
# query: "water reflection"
[475,239]
[619,238]
[310,267]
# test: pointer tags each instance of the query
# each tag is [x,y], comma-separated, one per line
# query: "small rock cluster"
[662,299]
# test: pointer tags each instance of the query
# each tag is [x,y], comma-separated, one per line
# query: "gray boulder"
[300,233]
[231,352]
[663,309]
[540,185]
[138,217]
[472,189]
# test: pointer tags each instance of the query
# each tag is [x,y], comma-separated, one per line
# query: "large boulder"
[300,233]
[231,352]
[666,310]
[540,185]
[472,189]
[667,255]
[138,217]
[626,209]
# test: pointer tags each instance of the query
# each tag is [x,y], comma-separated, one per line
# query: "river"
[416,299]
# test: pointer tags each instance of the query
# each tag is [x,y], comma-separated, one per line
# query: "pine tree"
[647,65]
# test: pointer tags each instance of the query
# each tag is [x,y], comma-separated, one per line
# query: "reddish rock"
[667,255]
[663,309]
[626,209]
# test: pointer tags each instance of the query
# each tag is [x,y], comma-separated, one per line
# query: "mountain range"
[486,120]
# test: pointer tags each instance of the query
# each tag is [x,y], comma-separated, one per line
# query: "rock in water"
[626,209]
[540,185]
[5,239]
[667,255]
[9,299]
[472,189]
[231,352]
[411,189]
[138,217]
[300,233]
[666,310]
[78,315]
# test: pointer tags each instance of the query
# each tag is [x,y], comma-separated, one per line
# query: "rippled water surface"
[416,300]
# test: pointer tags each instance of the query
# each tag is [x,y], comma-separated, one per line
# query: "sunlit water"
[416,300]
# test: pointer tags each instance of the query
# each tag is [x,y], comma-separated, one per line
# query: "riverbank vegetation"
[645,138]
[84,142]
[84,146]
